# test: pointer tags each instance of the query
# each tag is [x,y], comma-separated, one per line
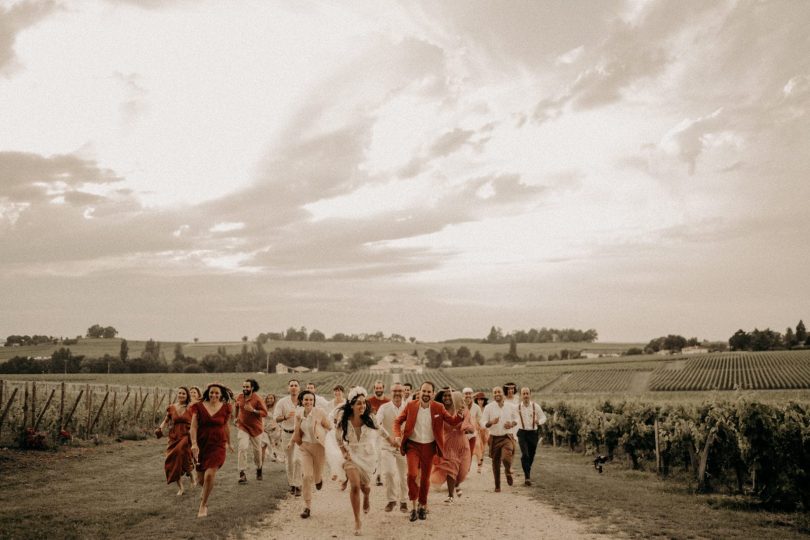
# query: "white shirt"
[322,404]
[423,429]
[515,401]
[386,415]
[530,416]
[284,407]
[505,413]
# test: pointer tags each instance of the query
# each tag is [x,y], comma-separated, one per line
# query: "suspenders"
[534,416]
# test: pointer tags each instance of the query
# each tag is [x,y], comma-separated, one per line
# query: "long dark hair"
[301,397]
[188,395]
[226,396]
[347,412]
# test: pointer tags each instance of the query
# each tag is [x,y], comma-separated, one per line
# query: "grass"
[119,491]
[638,504]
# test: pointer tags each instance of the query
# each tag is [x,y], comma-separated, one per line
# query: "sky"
[196,168]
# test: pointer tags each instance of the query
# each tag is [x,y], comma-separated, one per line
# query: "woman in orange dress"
[210,436]
[178,453]
[454,463]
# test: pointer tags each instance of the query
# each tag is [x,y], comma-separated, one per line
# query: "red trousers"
[420,461]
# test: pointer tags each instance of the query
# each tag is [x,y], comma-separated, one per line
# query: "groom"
[421,438]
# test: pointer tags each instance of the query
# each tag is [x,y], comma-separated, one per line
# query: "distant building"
[694,350]
[397,363]
[281,368]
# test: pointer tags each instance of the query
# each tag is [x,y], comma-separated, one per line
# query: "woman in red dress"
[210,436]
[178,453]
[453,464]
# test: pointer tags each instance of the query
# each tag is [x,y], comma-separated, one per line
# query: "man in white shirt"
[475,415]
[284,413]
[530,418]
[320,401]
[500,418]
[511,396]
[393,463]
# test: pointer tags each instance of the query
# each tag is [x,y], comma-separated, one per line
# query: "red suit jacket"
[438,415]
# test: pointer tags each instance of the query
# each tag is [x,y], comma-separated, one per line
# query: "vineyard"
[604,380]
[729,371]
[742,447]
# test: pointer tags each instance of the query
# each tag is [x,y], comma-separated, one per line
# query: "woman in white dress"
[357,440]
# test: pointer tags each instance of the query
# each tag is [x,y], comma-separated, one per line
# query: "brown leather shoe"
[403,507]
[509,479]
[305,513]
[390,506]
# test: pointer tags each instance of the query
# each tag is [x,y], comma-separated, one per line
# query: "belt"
[289,430]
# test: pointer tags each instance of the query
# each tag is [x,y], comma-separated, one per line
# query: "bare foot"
[180,491]
[357,529]
[203,512]
[343,485]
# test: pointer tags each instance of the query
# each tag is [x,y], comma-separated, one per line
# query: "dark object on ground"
[599,461]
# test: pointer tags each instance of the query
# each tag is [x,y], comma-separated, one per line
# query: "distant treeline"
[768,340]
[153,360]
[301,334]
[543,335]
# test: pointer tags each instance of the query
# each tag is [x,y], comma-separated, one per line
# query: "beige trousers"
[313,458]
[247,443]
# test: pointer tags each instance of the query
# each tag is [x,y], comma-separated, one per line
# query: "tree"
[495,335]
[463,352]
[478,358]
[178,352]
[512,355]
[740,341]
[123,353]
[95,331]
[196,339]
[412,339]
[244,338]
[109,332]
[674,342]
[801,332]
[790,338]
[317,335]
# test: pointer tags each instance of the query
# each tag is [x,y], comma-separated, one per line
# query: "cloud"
[27,177]
[16,19]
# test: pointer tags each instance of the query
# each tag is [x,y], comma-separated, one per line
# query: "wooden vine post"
[25,408]
[88,401]
[33,402]
[98,413]
[7,408]
[61,407]
[112,418]
[72,410]
[44,409]
[657,448]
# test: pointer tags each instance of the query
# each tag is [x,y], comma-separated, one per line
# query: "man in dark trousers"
[530,418]
[419,432]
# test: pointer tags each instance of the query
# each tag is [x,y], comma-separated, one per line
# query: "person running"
[419,432]
[454,463]
[210,436]
[531,417]
[393,463]
[376,401]
[195,393]
[339,399]
[499,418]
[357,440]
[271,438]
[320,401]
[311,426]
[482,434]
[250,411]
[284,413]
[179,462]
[407,389]
[475,417]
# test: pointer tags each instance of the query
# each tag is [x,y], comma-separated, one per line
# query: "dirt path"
[479,513]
